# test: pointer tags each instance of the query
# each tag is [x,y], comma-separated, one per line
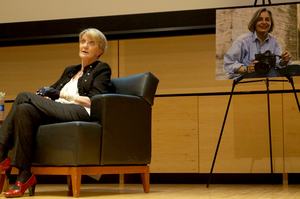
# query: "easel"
[267,81]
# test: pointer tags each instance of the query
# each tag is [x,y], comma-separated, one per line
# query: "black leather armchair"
[117,140]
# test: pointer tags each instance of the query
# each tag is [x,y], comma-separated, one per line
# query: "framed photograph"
[258,42]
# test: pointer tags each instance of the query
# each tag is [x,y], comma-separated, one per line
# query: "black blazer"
[95,79]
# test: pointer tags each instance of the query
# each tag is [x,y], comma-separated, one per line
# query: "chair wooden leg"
[74,175]
[76,180]
[146,180]
[2,178]
[6,183]
[121,178]
[69,180]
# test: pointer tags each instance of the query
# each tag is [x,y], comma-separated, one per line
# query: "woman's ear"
[100,53]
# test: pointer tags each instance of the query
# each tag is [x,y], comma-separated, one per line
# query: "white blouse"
[71,87]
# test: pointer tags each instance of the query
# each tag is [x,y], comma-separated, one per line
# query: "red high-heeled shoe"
[5,165]
[31,183]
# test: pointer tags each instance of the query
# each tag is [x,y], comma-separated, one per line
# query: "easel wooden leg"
[221,133]
[269,124]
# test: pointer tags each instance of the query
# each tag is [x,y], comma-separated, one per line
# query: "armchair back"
[143,85]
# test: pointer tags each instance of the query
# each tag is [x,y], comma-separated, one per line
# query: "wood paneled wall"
[185,129]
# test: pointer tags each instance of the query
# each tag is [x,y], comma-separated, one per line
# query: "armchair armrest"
[126,128]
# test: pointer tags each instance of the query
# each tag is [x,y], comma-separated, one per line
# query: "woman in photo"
[240,59]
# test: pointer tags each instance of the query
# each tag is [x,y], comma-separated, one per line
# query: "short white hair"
[96,35]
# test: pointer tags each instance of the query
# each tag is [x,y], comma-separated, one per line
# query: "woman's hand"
[83,101]
[49,92]
[251,68]
[285,58]
[46,97]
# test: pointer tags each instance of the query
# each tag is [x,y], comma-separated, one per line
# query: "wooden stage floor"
[169,191]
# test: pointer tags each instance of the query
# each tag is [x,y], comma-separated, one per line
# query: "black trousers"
[28,112]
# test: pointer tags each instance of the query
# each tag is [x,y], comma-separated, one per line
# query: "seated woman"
[68,99]
[240,59]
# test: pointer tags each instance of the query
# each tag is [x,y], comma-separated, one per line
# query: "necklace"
[80,74]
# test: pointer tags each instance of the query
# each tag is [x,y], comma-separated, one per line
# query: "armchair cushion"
[68,144]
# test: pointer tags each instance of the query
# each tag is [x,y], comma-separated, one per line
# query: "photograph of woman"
[257,54]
